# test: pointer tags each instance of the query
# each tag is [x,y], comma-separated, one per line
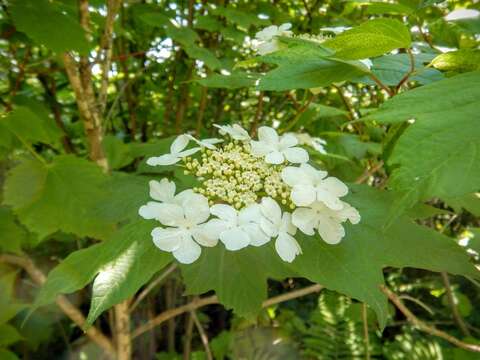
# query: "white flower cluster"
[252,191]
[266,41]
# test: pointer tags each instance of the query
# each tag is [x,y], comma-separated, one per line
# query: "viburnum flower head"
[249,191]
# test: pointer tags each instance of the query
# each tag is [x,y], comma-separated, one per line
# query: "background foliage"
[89,90]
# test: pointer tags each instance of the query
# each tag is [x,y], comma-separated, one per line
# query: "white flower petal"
[319,145]
[335,186]
[274,157]
[188,152]
[294,175]
[331,231]
[287,247]
[312,173]
[183,196]
[188,252]
[207,143]
[168,239]
[286,224]
[271,210]
[167,159]
[235,131]
[285,27]
[268,47]
[239,133]
[267,33]
[225,212]
[214,227]
[179,144]
[288,140]
[268,227]
[205,236]
[348,212]
[162,190]
[170,214]
[296,155]
[303,195]
[257,236]
[268,135]
[251,213]
[150,211]
[305,219]
[329,199]
[259,148]
[235,239]
[196,208]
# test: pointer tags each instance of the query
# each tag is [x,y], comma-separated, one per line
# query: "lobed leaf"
[372,38]
[58,196]
[439,154]
[354,267]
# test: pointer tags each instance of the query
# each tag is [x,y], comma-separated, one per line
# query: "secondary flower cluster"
[266,41]
[250,192]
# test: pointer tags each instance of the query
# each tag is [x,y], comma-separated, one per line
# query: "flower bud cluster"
[231,174]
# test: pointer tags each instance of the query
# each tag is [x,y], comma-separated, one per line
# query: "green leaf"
[423,211]
[13,235]
[426,3]
[390,70]
[308,74]
[37,329]
[354,267]
[7,355]
[125,193]
[120,278]
[46,24]
[57,196]
[372,38]
[305,64]
[231,33]
[438,155]
[183,35]
[379,8]
[461,301]
[474,240]
[350,145]
[303,67]
[469,202]
[151,15]
[80,267]
[244,19]
[117,152]
[205,55]
[239,278]
[233,81]
[461,60]
[221,344]
[209,23]
[9,335]
[453,97]
[28,127]
[9,307]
